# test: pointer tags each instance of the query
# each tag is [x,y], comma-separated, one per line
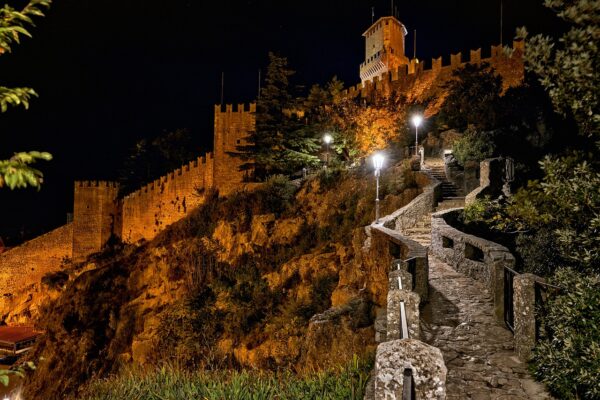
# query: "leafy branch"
[17,171]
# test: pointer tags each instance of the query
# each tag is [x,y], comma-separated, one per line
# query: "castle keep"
[98,212]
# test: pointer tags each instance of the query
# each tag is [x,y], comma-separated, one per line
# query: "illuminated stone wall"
[166,200]
[25,265]
[232,127]
[418,83]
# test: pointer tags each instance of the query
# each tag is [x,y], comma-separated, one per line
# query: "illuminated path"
[478,351]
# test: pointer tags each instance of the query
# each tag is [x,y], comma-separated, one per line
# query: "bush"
[473,146]
[539,253]
[55,280]
[277,194]
[567,357]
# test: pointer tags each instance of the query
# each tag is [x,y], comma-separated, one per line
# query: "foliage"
[539,252]
[568,69]
[567,357]
[277,194]
[473,146]
[20,372]
[474,93]
[17,172]
[347,383]
[566,201]
[150,159]
[280,143]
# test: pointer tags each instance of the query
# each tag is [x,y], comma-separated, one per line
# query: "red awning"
[17,334]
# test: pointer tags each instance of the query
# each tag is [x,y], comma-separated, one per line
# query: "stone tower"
[384,49]
[95,216]
[232,127]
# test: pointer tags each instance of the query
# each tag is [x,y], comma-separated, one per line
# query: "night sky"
[111,72]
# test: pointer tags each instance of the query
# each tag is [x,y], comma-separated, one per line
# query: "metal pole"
[377,197]
[416,140]
[327,155]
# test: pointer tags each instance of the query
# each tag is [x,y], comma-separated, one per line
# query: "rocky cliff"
[278,277]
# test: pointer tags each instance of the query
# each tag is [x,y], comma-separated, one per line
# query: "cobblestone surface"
[478,351]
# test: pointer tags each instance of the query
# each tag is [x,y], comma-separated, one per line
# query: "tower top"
[384,47]
[385,21]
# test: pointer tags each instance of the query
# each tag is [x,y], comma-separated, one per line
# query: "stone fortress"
[98,212]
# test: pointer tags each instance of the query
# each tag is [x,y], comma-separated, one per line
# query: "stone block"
[524,312]
[411,302]
[425,362]
[406,277]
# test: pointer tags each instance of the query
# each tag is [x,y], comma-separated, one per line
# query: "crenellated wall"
[418,83]
[232,127]
[166,200]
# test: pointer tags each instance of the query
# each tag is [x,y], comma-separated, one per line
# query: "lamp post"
[327,139]
[416,120]
[377,163]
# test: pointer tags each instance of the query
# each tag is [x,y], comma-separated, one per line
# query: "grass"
[170,383]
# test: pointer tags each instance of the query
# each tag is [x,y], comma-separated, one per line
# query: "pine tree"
[281,142]
[17,171]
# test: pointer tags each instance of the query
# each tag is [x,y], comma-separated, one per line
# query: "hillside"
[269,279]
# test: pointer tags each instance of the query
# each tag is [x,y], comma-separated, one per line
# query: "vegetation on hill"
[237,284]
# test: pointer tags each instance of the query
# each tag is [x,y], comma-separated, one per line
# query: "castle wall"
[27,264]
[419,84]
[231,130]
[149,210]
[95,212]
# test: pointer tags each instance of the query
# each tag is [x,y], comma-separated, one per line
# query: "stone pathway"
[478,351]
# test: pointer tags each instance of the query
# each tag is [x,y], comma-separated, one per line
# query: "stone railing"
[403,363]
[490,180]
[410,215]
[492,264]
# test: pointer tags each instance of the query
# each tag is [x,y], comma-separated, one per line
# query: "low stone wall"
[490,180]
[408,216]
[471,255]
[486,261]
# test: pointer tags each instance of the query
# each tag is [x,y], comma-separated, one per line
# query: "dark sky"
[111,72]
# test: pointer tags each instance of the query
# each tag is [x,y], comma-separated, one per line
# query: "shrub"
[277,194]
[567,357]
[473,146]
[55,280]
[539,253]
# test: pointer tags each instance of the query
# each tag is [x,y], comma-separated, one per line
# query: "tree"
[281,142]
[150,159]
[568,69]
[17,171]
[474,94]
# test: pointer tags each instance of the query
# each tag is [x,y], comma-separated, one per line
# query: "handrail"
[408,390]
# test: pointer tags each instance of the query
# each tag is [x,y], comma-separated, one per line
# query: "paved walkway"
[478,351]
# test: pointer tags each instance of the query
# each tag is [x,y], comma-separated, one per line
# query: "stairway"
[452,195]
[421,232]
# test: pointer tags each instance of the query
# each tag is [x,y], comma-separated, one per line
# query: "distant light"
[327,138]
[416,120]
[378,161]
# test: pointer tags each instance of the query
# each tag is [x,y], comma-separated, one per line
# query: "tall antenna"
[392,8]
[258,97]
[222,86]
[396,12]
[372,15]
[501,21]
[415,45]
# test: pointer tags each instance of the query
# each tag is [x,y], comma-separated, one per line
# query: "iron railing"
[509,311]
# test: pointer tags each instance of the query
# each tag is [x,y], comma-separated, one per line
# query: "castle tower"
[231,129]
[384,48]
[95,213]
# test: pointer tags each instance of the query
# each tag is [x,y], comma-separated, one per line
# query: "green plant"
[277,194]
[539,252]
[473,146]
[169,382]
[567,357]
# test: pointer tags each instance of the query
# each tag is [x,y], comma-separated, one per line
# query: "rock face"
[425,362]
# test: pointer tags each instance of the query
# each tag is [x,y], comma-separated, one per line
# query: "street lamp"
[416,120]
[327,139]
[377,163]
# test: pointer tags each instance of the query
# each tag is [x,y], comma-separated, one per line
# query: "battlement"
[239,108]
[100,184]
[416,67]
